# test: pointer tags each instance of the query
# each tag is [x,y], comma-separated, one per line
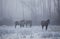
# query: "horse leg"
[23,25]
[46,27]
[15,25]
[42,27]
[30,25]
[20,25]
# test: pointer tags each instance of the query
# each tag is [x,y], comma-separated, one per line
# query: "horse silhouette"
[21,23]
[45,23]
[28,22]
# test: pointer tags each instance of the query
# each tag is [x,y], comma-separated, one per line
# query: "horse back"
[28,21]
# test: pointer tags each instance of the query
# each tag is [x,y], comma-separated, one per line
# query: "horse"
[21,23]
[28,22]
[45,23]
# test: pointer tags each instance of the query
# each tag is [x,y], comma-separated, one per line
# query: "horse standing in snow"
[28,22]
[21,23]
[45,23]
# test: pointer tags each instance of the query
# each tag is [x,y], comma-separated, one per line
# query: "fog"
[31,12]
[35,10]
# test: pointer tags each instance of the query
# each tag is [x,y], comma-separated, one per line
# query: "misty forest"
[29,19]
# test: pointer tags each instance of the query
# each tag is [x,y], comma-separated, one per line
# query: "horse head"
[48,20]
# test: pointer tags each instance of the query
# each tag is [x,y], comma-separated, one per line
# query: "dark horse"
[45,23]
[28,22]
[21,23]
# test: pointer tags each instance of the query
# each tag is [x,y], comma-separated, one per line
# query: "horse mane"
[48,20]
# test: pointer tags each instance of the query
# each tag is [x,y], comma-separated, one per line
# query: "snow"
[35,32]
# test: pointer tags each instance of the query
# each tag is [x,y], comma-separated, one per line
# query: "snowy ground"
[35,32]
